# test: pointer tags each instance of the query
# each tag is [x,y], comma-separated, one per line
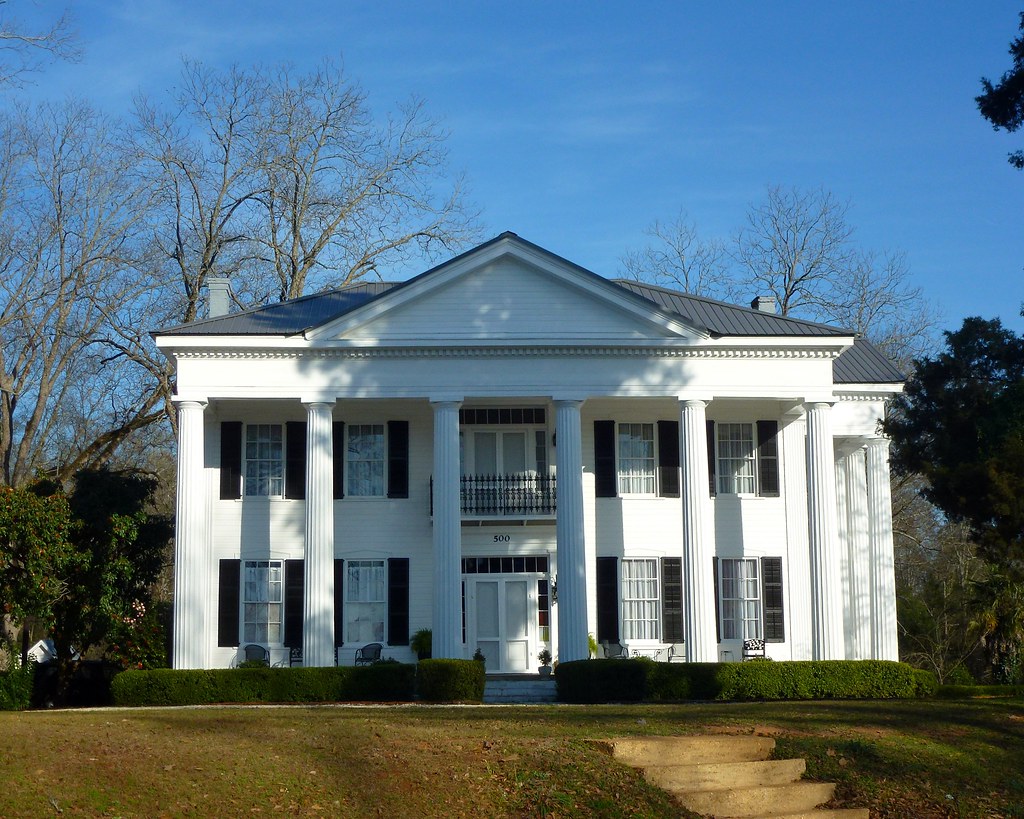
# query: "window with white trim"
[264,459]
[365,460]
[636,459]
[736,459]
[262,601]
[366,606]
[740,590]
[641,600]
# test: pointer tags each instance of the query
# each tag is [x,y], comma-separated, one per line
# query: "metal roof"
[864,363]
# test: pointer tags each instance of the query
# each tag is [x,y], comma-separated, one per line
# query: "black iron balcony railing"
[517,495]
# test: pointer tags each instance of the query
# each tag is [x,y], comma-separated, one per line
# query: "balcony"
[519,496]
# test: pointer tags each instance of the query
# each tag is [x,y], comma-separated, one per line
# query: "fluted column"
[826,588]
[701,641]
[883,575]
[572,562]
[192,562]
[858,559]
[842,526]
[318,568]
[447,619]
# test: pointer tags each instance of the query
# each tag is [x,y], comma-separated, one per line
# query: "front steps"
[728,776]
[519,689]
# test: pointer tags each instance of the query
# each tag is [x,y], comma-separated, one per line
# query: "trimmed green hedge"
[965,692]
[451,680]
[389,682]
[16,688]
[591,681]
[927,683]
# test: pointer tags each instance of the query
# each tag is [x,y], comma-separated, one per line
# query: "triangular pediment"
[506,290]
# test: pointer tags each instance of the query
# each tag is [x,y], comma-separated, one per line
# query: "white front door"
[501,610]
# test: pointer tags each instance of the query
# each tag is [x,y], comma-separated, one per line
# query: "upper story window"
[636,459]
[503,441]
[366,461]
[746,460]
[264,459]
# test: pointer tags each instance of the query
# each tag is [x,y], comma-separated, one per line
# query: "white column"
[883,573]
[858,559]
[698,537]
[318,567]
[572,558]
[798,571]
[842,525]
[193,568]
[447,617]
[826,587]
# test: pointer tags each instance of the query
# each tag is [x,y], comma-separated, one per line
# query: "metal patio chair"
[254,651]
[614,651]
[753,648]
[368,654]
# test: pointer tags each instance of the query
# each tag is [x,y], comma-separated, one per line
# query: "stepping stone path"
[726,776]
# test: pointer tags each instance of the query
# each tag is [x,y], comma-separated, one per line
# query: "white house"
[517,454]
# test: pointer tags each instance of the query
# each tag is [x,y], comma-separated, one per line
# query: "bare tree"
[679,258]
[24,49]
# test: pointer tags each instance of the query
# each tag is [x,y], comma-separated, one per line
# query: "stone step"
[710,776]
[641,752]
[521,690]
[770,800]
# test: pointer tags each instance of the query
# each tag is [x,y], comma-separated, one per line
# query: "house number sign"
[501,538]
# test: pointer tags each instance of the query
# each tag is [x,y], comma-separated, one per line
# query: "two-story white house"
[519,454]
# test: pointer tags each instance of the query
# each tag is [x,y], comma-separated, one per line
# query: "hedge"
[380,682]
[16,688]
[451,680]
[589,681]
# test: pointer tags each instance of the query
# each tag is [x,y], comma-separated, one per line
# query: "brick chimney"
[219,300]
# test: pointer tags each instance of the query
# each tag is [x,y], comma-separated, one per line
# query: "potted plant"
[421,643]
[545,662]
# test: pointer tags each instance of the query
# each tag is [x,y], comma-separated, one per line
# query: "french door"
[501,610]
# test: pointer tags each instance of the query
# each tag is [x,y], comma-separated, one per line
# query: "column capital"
[446,400]
[182,402]
[319,404]
[878,443]
[568,402]
[818,404]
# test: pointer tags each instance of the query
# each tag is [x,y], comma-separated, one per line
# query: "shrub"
[927,682]
[451,680]
[383,682]
[16,688]
[966,692]
[635,680]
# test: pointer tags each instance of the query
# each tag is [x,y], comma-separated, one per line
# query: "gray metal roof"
[861,364]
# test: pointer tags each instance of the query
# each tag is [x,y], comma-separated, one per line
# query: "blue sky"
[578,124]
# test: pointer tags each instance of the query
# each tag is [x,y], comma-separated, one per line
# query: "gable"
[507,297]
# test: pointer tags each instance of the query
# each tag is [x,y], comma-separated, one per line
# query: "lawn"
[901,759]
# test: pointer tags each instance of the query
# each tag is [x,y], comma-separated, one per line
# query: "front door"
[502,609]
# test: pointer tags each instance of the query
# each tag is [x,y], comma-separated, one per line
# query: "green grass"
[901,759]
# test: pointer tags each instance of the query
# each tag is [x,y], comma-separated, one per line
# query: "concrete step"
[523,689]
[711,776]
[770,800]
[641,752]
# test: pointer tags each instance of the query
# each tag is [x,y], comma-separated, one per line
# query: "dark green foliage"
[635,680]
[450,680]
[960,424]
[1003,104]
[16,688]
[927,683]
[964,692]
[383,682]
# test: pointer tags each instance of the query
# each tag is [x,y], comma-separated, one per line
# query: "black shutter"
[338,450]
[768,458]
[668,459]
[230,460]
[771,591]
[227,602]
[398,601]
[672,599]
[606,485]
[398,459]
[718,611]
[339,602]
[608,599]
[712,478]
[294,600]
[295,460]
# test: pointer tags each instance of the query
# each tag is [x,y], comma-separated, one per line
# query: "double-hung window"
[264,459]
[640,600]
[636,459]
[366,601]
[262,601]
[364,473]
[740,589]
[736,459]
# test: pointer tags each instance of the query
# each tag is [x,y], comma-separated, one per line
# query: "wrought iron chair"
[753,648]
[368,654]
[614,651]
[677,653]
[295,656]
[254,651]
